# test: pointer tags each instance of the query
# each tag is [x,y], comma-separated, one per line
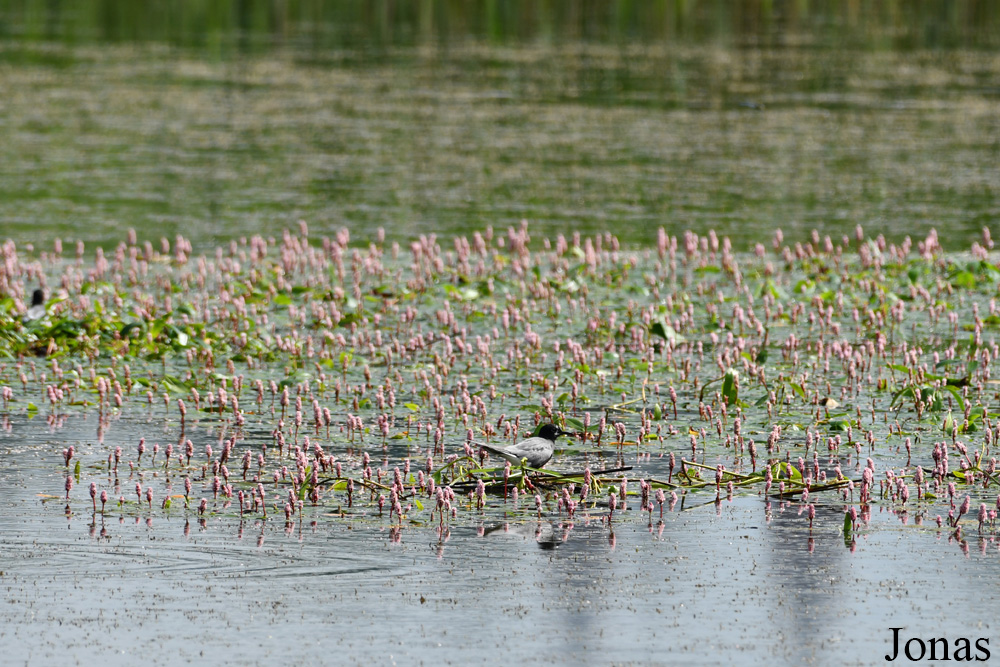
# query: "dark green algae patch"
[345,380]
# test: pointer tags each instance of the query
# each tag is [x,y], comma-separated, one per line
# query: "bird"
[37,310]
[536,450]
[545,533]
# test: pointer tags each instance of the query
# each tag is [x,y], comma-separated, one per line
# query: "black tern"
[536,450]
[37,310]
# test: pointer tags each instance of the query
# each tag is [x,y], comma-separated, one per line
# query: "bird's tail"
[498,452]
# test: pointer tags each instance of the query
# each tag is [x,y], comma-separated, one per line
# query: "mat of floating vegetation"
[361,377]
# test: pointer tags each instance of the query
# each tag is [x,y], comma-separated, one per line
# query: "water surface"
[220,124]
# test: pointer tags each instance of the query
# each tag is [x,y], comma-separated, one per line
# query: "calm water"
[221,121]
[712,584]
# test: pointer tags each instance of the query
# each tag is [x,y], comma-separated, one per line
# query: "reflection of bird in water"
[536,450]
[37,310]
[545,533]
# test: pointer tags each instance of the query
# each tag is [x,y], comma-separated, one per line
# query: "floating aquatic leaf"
[840,425]
[665,331]
[730,386]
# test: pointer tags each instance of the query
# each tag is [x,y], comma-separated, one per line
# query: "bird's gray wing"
[537,450]
[531,446]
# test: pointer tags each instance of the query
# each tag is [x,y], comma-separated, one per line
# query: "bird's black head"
[551,432]
[37,297]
